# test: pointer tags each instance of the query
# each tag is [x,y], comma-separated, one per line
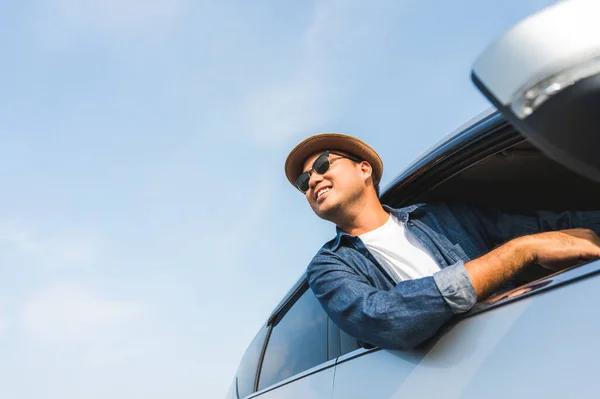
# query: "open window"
[491,164]
[518,178]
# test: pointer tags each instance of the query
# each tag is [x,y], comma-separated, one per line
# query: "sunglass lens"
[321,164]
[302,182]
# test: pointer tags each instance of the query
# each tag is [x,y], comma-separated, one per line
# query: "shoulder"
[331,254]
[336,256]
[325,254]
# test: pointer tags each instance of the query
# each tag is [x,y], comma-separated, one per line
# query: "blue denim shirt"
[362,298]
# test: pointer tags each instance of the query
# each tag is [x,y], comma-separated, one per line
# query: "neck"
[363,219]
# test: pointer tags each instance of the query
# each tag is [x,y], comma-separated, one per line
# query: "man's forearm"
[495,268]
[553,249]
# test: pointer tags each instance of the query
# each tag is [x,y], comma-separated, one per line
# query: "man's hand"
[554,250]
[557,250]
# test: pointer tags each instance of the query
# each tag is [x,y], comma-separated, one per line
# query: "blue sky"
[146,225]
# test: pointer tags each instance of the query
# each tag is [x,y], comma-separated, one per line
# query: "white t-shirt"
[399,251]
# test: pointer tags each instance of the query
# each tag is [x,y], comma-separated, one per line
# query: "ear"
[366,169]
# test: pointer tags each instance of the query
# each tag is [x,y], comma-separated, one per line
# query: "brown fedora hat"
[331,141]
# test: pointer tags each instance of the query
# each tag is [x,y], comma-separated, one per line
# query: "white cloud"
[70,310]
[59,249]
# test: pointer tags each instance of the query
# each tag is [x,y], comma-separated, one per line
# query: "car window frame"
[258,363]
[286,304]
[486,137]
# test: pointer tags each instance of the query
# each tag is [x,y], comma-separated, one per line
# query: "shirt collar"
[400,213]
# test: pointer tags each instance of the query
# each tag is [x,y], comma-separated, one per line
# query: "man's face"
[328,194]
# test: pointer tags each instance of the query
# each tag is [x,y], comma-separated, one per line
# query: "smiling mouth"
[322,192]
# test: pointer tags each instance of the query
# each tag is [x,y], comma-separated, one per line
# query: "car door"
[295,362]
[537,341]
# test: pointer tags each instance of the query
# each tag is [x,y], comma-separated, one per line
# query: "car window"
[297,342]
[333,339]
[347,342]
[246,375]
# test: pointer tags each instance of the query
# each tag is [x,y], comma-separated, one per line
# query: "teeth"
[321,192]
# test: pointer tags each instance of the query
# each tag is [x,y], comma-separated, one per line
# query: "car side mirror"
[543,75]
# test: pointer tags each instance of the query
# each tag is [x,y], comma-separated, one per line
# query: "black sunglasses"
[321,165]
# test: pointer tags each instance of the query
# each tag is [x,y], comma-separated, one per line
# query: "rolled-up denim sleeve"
[399,318]
[456,288]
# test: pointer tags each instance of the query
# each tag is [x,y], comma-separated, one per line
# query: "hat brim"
[331,141]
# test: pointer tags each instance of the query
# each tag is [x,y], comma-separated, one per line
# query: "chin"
[327,212]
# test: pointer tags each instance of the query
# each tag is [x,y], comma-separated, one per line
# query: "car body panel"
[544,345]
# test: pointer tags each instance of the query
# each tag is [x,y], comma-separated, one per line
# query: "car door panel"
[526,348]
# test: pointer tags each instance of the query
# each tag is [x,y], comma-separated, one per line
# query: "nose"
[315,179]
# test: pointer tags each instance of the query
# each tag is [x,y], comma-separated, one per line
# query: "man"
[393,277]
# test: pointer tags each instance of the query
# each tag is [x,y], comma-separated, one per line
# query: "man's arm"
[556,249]
[400,318]
[414,310]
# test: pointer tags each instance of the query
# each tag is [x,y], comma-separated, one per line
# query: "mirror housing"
[543,75]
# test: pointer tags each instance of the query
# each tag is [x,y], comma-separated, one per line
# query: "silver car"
[538,340]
